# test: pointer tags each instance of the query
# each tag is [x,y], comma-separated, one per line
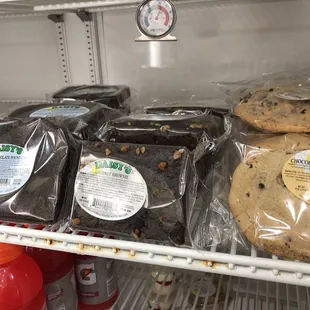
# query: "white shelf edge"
[289,272]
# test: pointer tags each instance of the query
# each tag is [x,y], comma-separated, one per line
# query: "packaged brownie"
[33,159]
[202,134]
[186,130]
[114,96]
[82,118]
[135,190]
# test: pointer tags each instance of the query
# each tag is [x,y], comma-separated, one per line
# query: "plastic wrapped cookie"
[270,195]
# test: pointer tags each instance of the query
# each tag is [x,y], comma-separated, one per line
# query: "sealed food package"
[276,103]
[33,158]
[132,190]
[203,134]
[82,118]
[186,130]
[269,195]
[114,96]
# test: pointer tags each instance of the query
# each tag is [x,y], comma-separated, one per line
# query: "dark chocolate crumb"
[250,166]
[303,111]
[248,194]
[262,104]
[261,185]
[245,101]
[270,89]
[289,239]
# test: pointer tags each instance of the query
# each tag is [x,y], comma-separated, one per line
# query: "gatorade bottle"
[97,285]
[21,280]
[58,278]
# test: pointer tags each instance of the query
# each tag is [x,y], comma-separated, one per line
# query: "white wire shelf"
[230,293]
[251,264]
[27,7]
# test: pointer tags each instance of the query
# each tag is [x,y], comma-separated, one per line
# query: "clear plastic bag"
[33,161]
[83,119]
[269,195]
[205,135]
[201,134]
[133,190]
[277,102]
[113,96]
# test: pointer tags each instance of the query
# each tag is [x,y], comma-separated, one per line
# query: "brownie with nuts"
[164,173]
[83,119]
[186,130]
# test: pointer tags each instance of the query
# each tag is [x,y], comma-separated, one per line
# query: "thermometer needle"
[156,18]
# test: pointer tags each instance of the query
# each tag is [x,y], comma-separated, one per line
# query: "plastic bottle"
[97,285]
[21,280]
[58,278]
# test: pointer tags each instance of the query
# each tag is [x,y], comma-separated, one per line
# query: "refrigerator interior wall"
[216,42]
[225,40]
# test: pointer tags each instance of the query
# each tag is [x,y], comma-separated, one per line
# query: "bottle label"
[61,294]
[96,280]
[110,189]
[16,165]
[60,111]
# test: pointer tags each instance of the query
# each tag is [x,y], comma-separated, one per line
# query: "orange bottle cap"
[9,252]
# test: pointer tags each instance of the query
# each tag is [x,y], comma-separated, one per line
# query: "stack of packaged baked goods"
[39,155]
[141,180]
[270,184]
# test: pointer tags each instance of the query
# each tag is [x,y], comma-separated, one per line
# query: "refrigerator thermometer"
[156,18]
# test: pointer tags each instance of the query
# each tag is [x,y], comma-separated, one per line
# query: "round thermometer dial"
[156,18]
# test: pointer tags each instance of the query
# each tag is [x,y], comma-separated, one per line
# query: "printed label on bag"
[296,175]
[16,166]
[60,110]
[110,189]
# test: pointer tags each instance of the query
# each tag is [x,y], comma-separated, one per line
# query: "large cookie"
[271,217]
[267,109]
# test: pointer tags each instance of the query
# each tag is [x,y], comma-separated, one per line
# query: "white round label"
[15,168]
[60,110]
[110,189]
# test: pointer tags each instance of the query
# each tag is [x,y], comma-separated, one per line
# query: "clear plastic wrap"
[186,108]
[133,190]
[33,161]
[199,133]
[83,119]
[205,136]
[277,102]
[269,195]
[113,96]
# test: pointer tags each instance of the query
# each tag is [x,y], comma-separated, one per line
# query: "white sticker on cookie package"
[296,175]
[110,189]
